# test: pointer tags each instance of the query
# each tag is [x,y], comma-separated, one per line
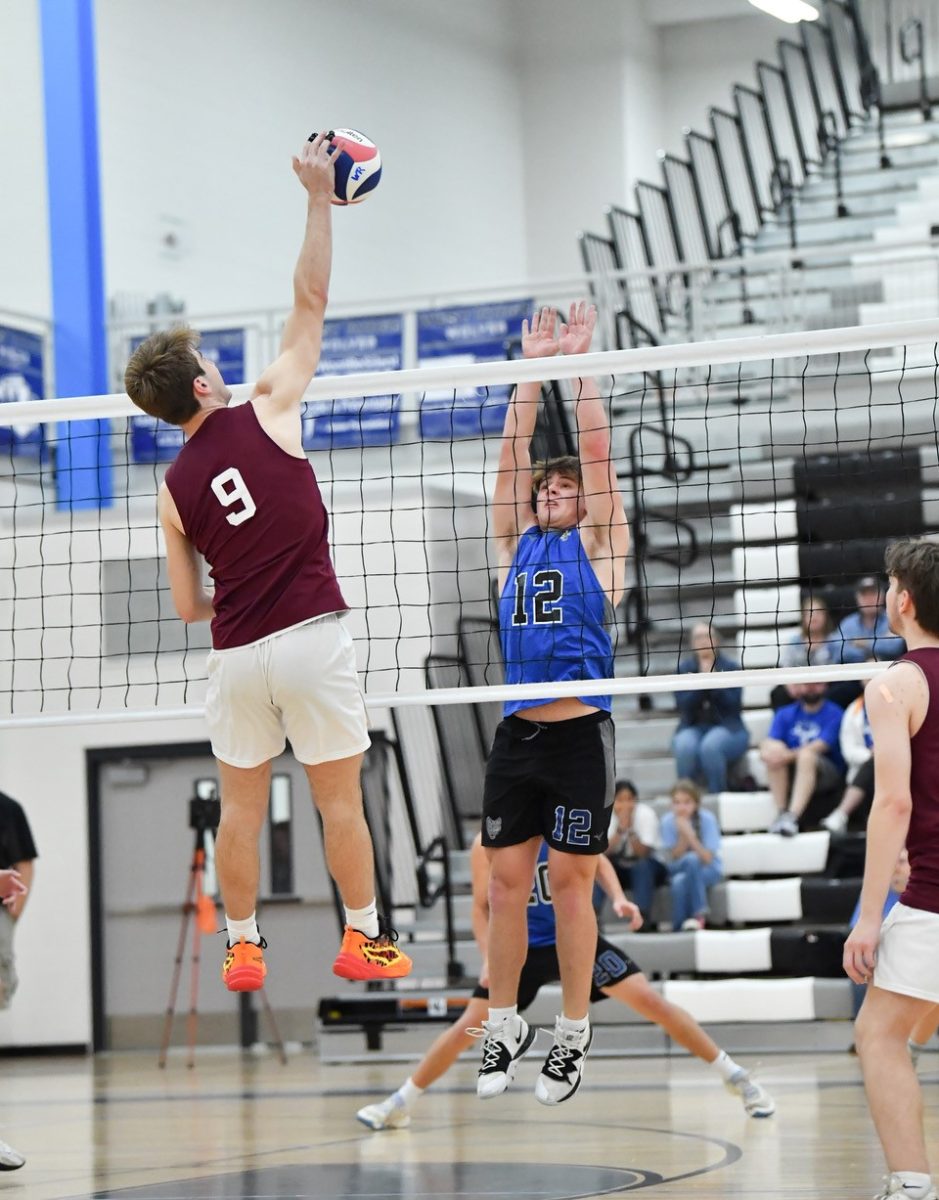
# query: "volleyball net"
[755,473]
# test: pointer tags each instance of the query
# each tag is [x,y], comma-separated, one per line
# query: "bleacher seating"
[803,179]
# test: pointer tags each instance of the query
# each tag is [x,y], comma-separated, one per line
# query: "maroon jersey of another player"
[255,513]
[922,841]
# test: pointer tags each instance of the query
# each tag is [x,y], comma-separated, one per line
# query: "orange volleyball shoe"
[244,968]
[360,957]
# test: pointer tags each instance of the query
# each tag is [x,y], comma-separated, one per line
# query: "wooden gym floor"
[248,1127]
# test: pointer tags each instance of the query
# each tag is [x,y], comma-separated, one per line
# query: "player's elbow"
[311,299]
[593,446]
[191,609]
[895,801]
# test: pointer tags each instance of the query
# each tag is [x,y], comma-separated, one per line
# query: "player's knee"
[508,892]
[865,1033]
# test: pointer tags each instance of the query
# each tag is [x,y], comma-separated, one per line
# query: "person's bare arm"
[605,528]
[511,498]
[896,703]
[775,753]
[183,564]
[26,871]
[609,881]
[694,843]
[281,387]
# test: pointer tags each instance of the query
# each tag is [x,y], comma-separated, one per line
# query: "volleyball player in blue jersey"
[561,540]
[615,974]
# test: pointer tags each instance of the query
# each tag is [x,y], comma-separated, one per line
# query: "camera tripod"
[199,910]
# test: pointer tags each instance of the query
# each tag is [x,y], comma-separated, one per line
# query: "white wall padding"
[763,900]
[745,812]
[770,854]
[718,1000]
[732,951]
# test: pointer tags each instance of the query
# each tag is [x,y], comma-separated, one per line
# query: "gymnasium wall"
[24,273]
[500,146]
[506,129]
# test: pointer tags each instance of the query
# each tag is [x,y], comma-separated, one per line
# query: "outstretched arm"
[511,498]
[283,383]
[605,528]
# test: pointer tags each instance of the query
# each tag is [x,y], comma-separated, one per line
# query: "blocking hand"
[576,335]
[540,341]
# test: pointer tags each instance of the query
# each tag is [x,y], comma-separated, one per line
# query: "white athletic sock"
[247,929]
[497,1015]
[407,1093]
[365,920]
[915,1185]
[725,1066]
[569,1025]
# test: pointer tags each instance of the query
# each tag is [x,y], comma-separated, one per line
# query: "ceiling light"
[792,11]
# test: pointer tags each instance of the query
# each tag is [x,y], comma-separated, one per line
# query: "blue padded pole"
[83,453]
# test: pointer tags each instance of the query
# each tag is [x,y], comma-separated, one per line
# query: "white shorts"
[908,954]
[301,684]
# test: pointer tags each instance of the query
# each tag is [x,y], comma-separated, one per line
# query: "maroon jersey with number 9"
[255,513]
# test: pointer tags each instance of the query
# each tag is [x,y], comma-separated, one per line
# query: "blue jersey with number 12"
[554,616]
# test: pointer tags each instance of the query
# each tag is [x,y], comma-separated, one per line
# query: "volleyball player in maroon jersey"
[243,496]
[899,958]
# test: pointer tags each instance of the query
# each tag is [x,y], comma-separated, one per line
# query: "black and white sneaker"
[502,1049]
[564,1067]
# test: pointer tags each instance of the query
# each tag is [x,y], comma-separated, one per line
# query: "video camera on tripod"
[205,808]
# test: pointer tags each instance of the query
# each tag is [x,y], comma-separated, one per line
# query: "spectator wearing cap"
[867,629]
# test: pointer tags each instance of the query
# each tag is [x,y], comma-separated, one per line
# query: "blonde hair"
[689,786]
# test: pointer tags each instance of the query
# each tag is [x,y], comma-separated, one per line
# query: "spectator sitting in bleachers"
[711,734]
[818,644]
[856,750]
[803,755]
[633,843]
[867,629]
[691,840]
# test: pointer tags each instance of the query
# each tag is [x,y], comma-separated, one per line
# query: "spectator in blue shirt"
[711,734]
[691,844]
[867,629]
[802,754]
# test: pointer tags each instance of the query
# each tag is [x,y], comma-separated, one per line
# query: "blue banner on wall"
[349,346]
[467,334]
[153,440]
[21,378]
